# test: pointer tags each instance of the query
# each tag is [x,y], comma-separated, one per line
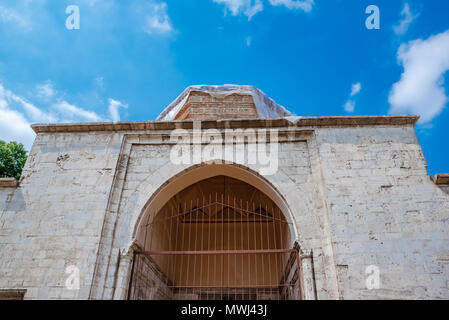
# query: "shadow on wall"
[445,189]
[14,201]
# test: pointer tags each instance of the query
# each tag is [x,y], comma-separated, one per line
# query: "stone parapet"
[9,183]
[441,179]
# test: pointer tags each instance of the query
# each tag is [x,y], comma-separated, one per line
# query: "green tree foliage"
[12,159]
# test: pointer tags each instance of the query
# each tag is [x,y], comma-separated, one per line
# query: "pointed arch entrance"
[218,238]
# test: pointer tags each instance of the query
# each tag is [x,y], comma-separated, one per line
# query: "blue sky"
[130,59]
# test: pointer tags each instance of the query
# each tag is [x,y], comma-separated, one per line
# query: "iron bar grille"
[216,248]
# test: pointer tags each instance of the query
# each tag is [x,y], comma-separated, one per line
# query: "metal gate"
[217,249]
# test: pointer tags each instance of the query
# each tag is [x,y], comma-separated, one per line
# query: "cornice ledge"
[230,124]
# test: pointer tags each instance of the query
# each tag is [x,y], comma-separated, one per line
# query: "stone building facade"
[360,210]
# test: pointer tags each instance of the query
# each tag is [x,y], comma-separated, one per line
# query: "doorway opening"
[218,239]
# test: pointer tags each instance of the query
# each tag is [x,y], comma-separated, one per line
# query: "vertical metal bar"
[275,247]
[132,276]
[215,247]
[195,235]
[170,245]
[222,245]
[262,244]
[255,247]
[202,242]
[242,257]
[281,240]
[189,247]
[152,228]
[223,199]
[182,246]
[235,246]
[175,248]
[249,248]
[298,270]
[268,247]
[208,243]
[228,240]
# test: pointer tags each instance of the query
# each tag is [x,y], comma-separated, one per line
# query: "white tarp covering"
[265,106]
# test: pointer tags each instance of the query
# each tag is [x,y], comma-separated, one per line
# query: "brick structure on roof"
[202,106]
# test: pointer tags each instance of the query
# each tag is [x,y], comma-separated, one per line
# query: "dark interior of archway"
[230,220]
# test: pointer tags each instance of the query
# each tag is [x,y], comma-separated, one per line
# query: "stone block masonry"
[358,190]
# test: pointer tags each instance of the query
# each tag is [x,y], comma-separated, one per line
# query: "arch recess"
[202,172]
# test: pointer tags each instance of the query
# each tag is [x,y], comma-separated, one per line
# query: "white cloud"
[99,81]
[114,107]
[157,20]
[350,104]
[356,88]
[35,114]
[421,88]
[11,100]
[92,3]
[71,112]
[248,41]
[14,126]
[407,18]
[17,114]
[247,7]
[150,16]
[305,5]
[45,90]
[11,16]
[252,7]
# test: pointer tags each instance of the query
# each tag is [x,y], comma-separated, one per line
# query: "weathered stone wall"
[359,196]
[385,211]
[54,218]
